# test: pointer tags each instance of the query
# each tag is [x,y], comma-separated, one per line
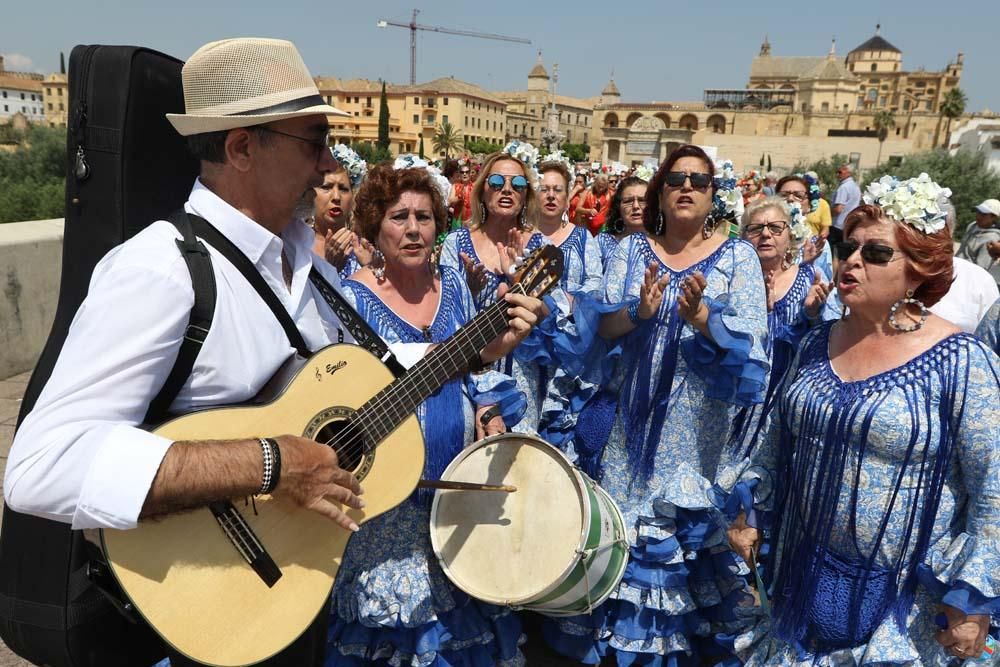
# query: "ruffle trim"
[729,372]
[472,634]
[949,578]
[684,592]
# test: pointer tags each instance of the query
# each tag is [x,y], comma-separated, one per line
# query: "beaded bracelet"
[272,465]
[633,313]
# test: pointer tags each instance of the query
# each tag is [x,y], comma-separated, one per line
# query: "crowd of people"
[792,401]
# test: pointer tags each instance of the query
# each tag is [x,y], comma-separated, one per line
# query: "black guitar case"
[126,167]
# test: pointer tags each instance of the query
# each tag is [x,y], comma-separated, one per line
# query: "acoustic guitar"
[237,582]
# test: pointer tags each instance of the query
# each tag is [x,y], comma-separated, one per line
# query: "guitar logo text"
[333,368]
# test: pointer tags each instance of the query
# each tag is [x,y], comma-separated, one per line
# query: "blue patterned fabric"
[608,244]
[891,506]
[989,329]
[391,602]
[666,464]
[351,266]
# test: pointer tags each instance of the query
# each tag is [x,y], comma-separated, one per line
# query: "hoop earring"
[924,313]
[378,265]
[660,224]
[708,228]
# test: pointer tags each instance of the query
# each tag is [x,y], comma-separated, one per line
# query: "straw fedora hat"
[247,81]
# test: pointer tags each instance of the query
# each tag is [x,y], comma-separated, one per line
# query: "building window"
[430,119]
[50,106]
[357,113]
[416,119]
[805,107]
[479,123]
[444,118]
[872,94]
[60,91]
[569,136]
[357,100]
[60,106]
[33,96]
[882,101]
[5,94]
[874,66]
[501,127]
[48,91]
[22,97]
[929,105]
[416,100]
[403,150]
[368,101]
[445,101]
[532,130]
[906,105]
[494,126]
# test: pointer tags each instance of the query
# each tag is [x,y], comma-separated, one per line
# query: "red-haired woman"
[885,449]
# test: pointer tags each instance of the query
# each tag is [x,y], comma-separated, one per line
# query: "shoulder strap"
[361,330]
[199,264]
[215,238]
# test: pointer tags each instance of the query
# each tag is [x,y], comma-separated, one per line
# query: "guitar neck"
[387,409]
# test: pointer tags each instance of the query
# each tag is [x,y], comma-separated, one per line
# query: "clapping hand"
[965,635]
[817,296]
[689,305]
[812,248]
[651,294]
[475,274]
[510,252]
[363,250]
[769,290]
[338,246]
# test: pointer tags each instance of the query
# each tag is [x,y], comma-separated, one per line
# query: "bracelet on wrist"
[633,313]
[477,365]
[271,454]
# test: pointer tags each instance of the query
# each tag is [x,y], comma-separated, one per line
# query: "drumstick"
[463,486]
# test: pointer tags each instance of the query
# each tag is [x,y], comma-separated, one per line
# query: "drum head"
[507,548]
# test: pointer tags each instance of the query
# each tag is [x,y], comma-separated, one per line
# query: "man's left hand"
[524,313]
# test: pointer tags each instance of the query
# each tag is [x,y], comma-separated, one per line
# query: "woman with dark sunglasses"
[689,327]
[885,447]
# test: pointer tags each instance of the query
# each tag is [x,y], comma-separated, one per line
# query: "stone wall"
[31,261]
[745,151]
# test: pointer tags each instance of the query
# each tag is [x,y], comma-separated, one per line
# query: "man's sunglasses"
[699,180]
[496,182]
[872,253]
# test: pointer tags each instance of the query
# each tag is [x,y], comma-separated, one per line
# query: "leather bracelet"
[272,465]
[491,413]
[478,365]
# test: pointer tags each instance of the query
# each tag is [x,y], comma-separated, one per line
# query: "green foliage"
[371,153]
[576,152]
[884,121]
[383,120]
[482,146]
[966,173]
[420,153]
[33,174]
[447,139]
[952,106]
[826,170]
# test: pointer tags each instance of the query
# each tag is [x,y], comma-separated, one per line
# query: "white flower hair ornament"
[411,161]
[727,203]
[797,222]
[526,154]
[353,164]
[644,172]
[559,157]
[919,202]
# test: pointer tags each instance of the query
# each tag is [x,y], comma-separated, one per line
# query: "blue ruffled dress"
[391,603]
[608,244]
[989,328]
[668,467]
[891,490]
[552,344]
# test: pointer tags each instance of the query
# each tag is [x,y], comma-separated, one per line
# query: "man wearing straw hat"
[258,125]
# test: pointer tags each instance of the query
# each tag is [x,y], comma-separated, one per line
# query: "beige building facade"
[55,95]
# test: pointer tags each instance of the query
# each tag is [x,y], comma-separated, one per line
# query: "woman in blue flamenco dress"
[884,450]
[692,322]
[392,604]
[796,299]
[989,328]
[485,253]
[625,215]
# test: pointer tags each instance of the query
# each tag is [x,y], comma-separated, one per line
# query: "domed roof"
[876,43]
[611,88]
[538,71]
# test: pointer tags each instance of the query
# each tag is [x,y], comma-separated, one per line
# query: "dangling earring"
[924,313]
[525,225]
[378,265]
[708,228]
[789,258]
[482,212]
[660,224]
[311,221]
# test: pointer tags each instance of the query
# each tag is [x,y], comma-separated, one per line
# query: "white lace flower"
[644,172]
[919,202]
[526,154]
[798,227]
[352,163]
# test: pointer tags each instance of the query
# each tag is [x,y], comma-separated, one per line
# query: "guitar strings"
[353,434]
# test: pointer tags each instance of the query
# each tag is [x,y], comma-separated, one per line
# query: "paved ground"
[10,402]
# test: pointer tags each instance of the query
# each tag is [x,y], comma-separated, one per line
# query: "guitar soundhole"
[347,441]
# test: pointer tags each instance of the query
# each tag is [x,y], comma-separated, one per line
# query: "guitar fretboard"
[387,409]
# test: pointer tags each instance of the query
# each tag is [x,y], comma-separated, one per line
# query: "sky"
[666,51]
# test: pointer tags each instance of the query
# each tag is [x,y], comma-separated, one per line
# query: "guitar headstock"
[540,271]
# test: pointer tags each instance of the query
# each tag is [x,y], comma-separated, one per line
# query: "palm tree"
[447,139]
[952,106]
[884,121]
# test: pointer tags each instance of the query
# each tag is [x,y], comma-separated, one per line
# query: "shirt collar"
[251,238]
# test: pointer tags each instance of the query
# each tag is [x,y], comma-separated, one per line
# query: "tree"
[371,153]
[33,174]
[421,153]
[482,146]
[966,173]
[884,121]
[383,120]
[447,139]
[576,152]
[952,106]
[826,171]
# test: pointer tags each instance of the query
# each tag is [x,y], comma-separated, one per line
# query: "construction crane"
[413,27]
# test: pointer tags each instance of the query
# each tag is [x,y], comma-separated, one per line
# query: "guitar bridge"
[243,538]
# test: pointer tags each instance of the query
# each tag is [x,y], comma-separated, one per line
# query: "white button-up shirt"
[79,456]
